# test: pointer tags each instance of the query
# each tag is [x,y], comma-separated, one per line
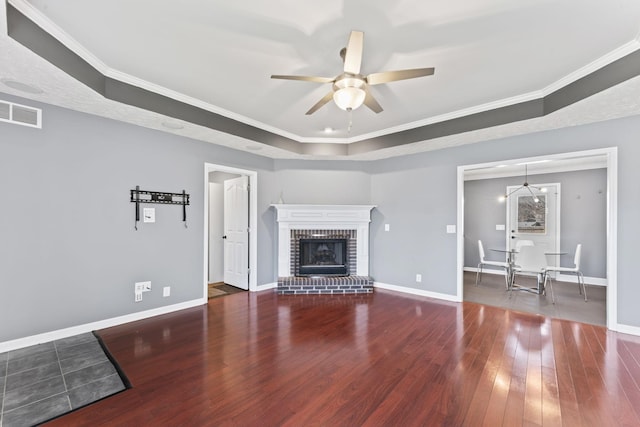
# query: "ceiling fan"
[351,89]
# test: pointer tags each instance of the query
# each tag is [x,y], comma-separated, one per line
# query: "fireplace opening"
[323,257]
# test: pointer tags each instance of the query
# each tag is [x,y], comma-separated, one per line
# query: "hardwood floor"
[381,359]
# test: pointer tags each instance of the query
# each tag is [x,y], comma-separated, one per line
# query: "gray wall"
[583,200]
[417,198]
[322,182]
[69,254]
[418,193]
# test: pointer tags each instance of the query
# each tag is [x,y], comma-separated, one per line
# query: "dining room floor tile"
[569,304]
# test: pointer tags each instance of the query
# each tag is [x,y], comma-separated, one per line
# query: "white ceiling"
[219,55]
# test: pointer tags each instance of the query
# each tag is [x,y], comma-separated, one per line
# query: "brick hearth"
[325,285]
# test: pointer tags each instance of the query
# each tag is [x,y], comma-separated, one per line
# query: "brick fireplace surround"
[306,221]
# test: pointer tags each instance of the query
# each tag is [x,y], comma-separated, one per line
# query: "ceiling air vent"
[20,114]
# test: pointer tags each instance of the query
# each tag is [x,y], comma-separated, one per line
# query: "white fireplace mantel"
[323,217]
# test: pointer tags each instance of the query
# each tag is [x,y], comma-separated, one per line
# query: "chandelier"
[526,185]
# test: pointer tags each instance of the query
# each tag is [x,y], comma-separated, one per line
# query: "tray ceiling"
[201,69]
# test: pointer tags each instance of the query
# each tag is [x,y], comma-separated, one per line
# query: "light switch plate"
[386,227]
[451,229]
[142,286]
[500,227]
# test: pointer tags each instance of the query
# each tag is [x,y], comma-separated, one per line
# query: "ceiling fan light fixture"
[349,92]
[349,98]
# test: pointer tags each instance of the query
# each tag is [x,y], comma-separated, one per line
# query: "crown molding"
[603,61]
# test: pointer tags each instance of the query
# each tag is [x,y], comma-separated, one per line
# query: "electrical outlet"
[166,291]
[142,286]
[138,297]
[418,278]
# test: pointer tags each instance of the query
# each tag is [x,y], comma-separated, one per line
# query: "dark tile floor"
[43,381]
[570,305]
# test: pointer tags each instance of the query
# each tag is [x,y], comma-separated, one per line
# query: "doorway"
[233,259]
[609,158]
[533,214]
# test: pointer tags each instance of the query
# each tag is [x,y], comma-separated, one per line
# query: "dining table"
[540,288]
[510,256]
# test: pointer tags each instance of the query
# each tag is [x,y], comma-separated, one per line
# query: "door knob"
[224,237]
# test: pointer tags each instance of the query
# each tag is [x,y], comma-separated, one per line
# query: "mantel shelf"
[323,213]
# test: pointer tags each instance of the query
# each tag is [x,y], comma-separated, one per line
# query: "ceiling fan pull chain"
[350,120]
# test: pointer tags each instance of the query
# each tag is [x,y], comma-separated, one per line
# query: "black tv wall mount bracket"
[142,196]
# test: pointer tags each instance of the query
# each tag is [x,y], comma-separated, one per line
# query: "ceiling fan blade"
[305,78]
[328,97]
[371,102]
[392,76]
[353,55]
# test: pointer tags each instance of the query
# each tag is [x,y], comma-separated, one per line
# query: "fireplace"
[322,257]
[336,258]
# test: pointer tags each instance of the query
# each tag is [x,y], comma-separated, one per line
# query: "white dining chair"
[483,262]
[573,270]
[531,260]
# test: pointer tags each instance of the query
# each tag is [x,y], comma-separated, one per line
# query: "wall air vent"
[20,114]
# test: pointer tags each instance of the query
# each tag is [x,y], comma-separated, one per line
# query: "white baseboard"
[414,291]
[101,324]
[266,286]
[595,281]
[115,321]
[626,329]
[485,271]
[107,323]
[571,278]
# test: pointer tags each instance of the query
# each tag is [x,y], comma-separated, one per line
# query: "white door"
[236,232]
[533,213]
